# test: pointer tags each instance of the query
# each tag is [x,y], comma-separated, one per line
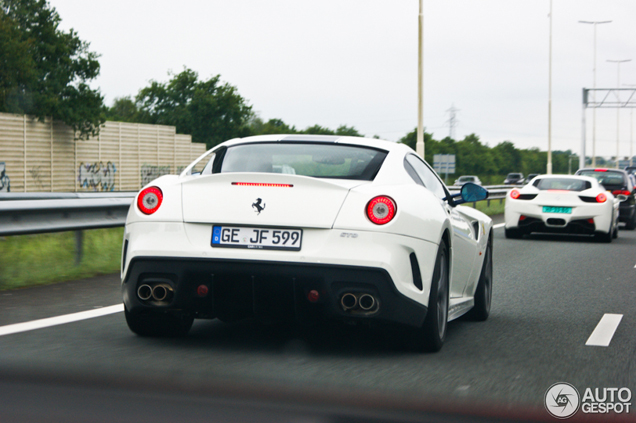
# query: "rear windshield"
[467,178]
[336,161]
[569,184]
[606,178]
[514,175]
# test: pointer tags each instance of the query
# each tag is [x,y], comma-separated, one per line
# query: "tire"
[631,224]
[430,337]
[159,324]
[513,233]
[483,293]
[603,237]
[615,233]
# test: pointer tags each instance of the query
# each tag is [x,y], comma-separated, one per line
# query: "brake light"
[261,184]
[601,198]
[381,210]
[149,200]
[514,194]
[600,169]
[620,191]
[522,218]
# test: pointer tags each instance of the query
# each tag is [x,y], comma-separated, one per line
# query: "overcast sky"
[354,62]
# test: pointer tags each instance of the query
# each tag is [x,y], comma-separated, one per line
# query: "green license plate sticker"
[550,209]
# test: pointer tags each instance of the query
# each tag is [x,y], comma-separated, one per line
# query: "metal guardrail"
[35,213]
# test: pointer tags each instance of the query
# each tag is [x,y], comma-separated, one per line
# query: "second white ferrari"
[562,204]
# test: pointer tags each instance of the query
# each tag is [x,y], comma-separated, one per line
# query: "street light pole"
[631,131]
[594,92]
[618,110]
[549,167]
[419,146]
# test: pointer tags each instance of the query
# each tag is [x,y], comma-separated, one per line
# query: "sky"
[354,62]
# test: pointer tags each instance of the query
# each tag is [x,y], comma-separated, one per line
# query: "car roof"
[604,170]
[580,177]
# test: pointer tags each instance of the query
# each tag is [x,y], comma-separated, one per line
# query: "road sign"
[444,163]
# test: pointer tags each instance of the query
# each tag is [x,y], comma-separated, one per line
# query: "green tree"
[209,110]
[50,76]
[124,109]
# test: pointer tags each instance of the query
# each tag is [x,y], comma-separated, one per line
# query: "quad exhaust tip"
[367,302]
[348,301]
[144,292]
[159,292]
[363,302]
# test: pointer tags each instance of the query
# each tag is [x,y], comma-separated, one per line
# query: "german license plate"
[550,209]
[257,238]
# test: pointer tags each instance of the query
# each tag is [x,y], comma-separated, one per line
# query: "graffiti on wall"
[5,182]
[149,173]
[97,176]
[36,175]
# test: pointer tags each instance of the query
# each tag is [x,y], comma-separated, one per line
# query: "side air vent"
[527,197]
[587,199]
[476,228]
[123,256]
[415,269]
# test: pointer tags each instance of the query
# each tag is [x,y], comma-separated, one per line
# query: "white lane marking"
[59,320]
[604,331]
[501,225]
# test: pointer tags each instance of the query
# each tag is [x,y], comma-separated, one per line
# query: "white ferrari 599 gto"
[306,228]
[563,204]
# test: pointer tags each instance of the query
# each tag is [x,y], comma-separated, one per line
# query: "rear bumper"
[576,222]
[266,290]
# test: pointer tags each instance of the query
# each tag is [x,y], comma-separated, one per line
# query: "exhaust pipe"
[367,302]
[162,292]
[144,292]
[348,301]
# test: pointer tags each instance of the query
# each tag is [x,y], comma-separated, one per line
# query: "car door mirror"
[470,193]
[622,197]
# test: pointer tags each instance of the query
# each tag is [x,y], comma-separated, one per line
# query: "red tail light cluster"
[514,194]
[149,200]
[601,198]
[621,191]
[381,210]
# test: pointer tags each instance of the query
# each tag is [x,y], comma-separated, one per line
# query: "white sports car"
[563,204]
[306,228]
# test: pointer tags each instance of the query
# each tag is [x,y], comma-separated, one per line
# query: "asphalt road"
[550,292]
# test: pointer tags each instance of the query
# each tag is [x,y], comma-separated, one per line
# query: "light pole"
[631,131]
[549,167]
[570,163]
[594,92]
[419,146]
[618,109]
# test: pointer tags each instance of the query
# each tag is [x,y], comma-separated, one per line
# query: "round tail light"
[381,210]
[514,194]
[149,200]
[601,198]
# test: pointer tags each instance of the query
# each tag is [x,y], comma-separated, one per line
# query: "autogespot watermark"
[563,400]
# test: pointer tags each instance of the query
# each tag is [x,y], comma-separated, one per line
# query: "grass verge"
[29,260]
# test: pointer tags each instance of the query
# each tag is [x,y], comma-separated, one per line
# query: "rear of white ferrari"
[282,229]
[561,204]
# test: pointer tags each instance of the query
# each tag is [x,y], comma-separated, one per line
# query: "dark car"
[618,182]
[531,177]
[513,179]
